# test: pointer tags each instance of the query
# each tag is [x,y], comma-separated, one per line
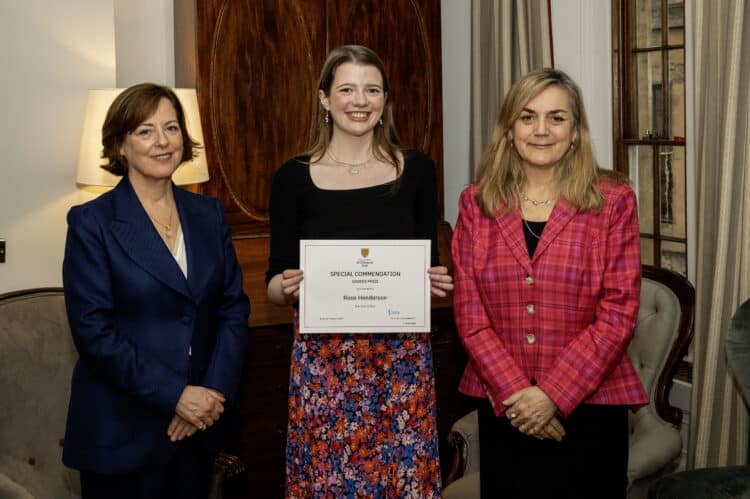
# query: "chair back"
[662,335]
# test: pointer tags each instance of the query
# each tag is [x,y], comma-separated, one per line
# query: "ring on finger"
[513,415]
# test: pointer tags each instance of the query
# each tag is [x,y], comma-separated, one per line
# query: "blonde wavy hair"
[500,172]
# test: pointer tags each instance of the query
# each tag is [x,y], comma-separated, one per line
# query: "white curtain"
[509,38]
[719,418]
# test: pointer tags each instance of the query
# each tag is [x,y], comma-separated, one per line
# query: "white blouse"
[179,253]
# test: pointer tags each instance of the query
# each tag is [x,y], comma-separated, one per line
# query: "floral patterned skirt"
[362,417]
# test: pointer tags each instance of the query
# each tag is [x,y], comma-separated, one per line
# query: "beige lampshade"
[90,172]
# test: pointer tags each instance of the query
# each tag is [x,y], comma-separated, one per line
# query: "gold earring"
[381,122]
[326,118]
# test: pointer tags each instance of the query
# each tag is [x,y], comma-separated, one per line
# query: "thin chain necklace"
[352,168]
[528,227]
[167,227]
[538,236]
[537,202]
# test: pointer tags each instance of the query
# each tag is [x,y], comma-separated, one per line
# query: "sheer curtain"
[719,432]
[509,38]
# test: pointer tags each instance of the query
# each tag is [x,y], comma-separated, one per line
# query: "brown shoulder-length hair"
[385,142]
[130,108]
[500,173]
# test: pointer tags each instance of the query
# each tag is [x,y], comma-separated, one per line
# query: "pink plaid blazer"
[564,317]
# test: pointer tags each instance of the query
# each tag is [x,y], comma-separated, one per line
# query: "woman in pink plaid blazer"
[547,275]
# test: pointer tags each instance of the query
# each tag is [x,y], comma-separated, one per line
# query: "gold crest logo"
[364,252]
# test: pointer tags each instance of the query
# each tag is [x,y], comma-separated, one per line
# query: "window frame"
[625,133]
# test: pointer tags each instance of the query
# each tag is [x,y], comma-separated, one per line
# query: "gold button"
[530,308]
[529,280]
[530,339]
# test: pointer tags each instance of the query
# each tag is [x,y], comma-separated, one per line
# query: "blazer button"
[530,308]
[186,319]
[530,339]
[529,280]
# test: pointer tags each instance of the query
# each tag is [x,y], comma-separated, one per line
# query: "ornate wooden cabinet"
[255,64]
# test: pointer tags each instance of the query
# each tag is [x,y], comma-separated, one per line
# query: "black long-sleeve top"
[301,210]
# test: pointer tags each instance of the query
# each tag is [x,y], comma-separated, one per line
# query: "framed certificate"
[364,286]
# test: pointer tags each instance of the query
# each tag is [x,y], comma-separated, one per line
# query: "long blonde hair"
[500,173]
[385,142]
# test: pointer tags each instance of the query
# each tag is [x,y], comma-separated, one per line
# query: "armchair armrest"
[654,445]
[225,466]
[11,490]
[464,439]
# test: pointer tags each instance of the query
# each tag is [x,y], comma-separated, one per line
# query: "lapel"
[509,225]
[199,231]
[138,238]
[511,230]
[561,215]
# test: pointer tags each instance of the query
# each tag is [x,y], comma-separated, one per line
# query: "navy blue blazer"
[135,318]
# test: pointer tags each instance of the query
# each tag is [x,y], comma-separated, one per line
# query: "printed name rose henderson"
[365,286]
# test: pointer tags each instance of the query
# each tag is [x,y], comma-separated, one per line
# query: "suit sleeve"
[487,352]
[89,301]
[225,368]
[586,361]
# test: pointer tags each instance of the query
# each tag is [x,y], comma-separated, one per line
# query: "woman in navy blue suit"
[154,297]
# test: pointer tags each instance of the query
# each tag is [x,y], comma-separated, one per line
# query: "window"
[649,122]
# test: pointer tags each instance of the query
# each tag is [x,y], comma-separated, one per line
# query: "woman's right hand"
[200,406]
[284,288]
[553,431]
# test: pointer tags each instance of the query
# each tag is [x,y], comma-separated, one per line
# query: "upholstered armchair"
[661,338]
[728,482]
[36,361]
[37,356]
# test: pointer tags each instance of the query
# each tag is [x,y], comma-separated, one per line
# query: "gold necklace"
[167,227]
[352,168]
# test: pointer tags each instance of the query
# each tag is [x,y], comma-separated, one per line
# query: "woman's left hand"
[441,283]
[530,410]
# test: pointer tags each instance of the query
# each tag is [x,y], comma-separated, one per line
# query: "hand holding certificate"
[363,286]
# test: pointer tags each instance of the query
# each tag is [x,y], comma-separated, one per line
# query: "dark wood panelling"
[266,58]
[263,411]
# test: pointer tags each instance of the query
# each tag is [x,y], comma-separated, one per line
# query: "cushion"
[36,362]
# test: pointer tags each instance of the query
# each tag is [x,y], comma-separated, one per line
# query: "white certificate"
[364,286]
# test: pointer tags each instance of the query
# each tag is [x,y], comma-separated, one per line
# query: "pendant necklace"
[167,226]
[352,168]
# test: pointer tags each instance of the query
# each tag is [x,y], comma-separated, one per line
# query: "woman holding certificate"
[548,273]
[361,406]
